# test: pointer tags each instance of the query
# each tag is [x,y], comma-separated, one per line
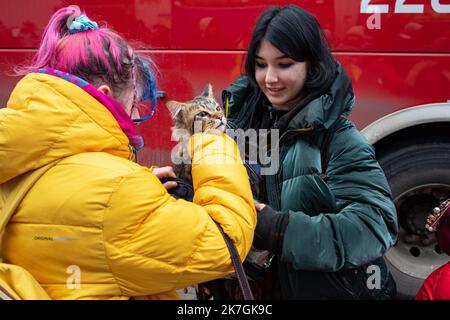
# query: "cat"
[201,114]
[204,114]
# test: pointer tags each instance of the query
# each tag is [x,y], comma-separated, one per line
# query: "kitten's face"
[201,114]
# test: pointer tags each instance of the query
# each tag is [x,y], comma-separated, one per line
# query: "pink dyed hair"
[97,56]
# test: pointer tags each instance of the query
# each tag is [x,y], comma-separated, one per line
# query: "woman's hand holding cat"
[166,172]
[270,228]
[259,206]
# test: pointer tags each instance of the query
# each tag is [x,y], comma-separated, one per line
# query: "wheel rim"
[416,252]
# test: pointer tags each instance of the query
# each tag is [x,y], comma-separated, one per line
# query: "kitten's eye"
[202,114]
[218,109]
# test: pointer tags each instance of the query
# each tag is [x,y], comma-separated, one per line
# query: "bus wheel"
[419,177]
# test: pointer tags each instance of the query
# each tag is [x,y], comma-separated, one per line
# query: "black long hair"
[297,33]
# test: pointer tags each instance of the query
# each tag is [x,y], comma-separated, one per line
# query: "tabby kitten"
[202,114]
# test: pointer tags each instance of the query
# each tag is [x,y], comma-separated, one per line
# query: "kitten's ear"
[208,91]
[174,107]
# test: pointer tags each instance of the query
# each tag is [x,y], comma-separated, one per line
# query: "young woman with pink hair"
[79,218]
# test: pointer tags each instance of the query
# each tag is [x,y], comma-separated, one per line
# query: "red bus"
[397,53]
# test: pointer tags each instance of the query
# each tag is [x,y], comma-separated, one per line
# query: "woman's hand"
[259,206]
[166,172]
[270,228]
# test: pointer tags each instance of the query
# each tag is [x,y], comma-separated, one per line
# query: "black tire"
[419,176]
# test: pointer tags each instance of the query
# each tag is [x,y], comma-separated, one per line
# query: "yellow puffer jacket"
[86,222]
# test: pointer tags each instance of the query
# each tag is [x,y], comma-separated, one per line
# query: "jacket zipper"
[278,175]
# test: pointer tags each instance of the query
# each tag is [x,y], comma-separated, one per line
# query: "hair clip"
[82,23]
[438,213]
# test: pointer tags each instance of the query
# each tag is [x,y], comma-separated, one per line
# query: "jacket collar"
[323,111]
[117,110]
[243,100]
[47,119]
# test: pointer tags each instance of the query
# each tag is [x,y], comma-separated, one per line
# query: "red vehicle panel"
[397,53]
[227,24]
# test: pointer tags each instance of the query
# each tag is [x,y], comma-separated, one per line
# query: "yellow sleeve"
[155,243]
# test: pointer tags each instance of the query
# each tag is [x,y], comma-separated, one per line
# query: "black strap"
[237,263]
[185,191]
[5,295]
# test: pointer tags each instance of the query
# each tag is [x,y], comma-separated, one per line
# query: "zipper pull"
[270,112]
[275,123]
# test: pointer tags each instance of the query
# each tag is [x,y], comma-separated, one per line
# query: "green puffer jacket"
[340,225]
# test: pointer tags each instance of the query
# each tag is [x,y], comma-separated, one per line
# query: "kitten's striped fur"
[201,114]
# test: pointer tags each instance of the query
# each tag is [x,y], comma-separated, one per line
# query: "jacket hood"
[324,110]
[338,100]
[46,120]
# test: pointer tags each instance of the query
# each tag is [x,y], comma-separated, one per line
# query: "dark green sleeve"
[365,224]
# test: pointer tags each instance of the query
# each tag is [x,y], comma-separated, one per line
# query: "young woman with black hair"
[329,216]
